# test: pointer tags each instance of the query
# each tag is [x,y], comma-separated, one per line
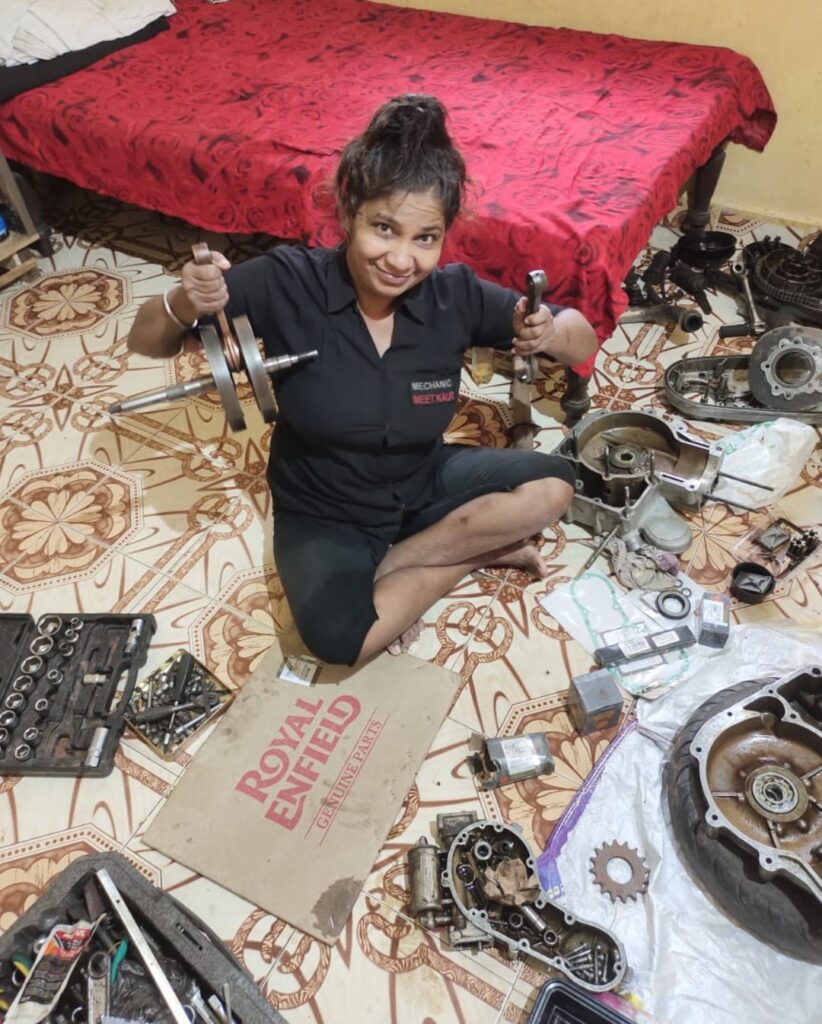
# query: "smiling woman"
[375,517]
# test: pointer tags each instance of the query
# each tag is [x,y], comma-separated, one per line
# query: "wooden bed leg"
[701,190]
[576,400]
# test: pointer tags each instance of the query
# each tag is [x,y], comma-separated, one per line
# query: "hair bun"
[405,148]
[418,119]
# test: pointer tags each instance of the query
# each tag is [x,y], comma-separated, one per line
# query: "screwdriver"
[200,385]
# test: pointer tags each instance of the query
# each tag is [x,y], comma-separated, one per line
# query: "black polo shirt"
[356,432]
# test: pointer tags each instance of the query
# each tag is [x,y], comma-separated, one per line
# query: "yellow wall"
[783,40]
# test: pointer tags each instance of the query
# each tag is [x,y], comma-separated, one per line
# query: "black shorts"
[327,569]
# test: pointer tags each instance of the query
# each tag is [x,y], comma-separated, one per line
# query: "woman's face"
[394,243]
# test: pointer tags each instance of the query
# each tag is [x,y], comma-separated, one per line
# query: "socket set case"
[173,932]
[65,682]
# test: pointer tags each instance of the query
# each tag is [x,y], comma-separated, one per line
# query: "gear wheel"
[635,886]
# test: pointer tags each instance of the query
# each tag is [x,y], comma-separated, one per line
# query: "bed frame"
[577,143]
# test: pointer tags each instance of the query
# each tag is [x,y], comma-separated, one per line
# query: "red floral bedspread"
[577,143]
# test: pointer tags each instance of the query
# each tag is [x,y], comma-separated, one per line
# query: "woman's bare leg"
[418,571]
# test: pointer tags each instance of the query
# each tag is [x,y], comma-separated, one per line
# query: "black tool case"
[65,684]
[179,933]
[560,1002]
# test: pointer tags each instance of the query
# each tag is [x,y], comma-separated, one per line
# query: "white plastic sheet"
[689,963]
[772,453]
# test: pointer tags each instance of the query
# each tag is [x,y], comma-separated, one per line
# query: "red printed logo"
[288,767]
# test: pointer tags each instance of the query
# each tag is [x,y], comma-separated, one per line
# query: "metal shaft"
[742,480]
[200,385]
[597,552]
[138,941]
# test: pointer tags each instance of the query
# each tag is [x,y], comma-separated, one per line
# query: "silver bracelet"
[173,315]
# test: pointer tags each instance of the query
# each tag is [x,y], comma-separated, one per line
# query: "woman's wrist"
[174,301]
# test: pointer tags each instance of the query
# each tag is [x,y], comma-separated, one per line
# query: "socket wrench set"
[64,687]
[170,706]
[103,945]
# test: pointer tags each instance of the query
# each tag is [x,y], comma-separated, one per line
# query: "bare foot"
[525,556]
[404,641]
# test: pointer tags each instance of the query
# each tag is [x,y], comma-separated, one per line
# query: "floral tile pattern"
[165,511]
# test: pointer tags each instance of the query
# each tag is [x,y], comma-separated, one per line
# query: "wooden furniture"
[15,260]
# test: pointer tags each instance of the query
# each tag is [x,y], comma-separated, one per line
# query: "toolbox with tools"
[102,943]
[170,706]
[65,682]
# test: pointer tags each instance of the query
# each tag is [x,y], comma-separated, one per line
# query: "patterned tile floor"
[167,512]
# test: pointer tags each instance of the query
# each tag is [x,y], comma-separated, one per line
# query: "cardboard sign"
[305,782]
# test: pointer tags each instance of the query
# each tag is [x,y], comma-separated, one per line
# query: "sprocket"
[635,886]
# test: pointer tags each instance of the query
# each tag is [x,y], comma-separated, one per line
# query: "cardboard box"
[290,800]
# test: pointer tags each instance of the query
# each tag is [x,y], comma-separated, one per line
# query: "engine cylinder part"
[424,874]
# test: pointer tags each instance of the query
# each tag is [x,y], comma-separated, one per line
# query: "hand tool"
[98,982]
[755,321]
[139,942]
[525,368]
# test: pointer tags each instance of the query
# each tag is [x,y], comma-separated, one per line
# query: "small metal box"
[713,620]
[594,701]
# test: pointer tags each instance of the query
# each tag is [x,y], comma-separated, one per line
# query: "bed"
[577,143]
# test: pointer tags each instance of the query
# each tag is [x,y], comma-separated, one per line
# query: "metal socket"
[48,625]
[22,752]
[32,735]
[5,736]
[14,701]
[42,646]
[54,677]
[41,705]
[8,719]
[76,623]
[71,636]
[33,666]
[23,684]
[65,648]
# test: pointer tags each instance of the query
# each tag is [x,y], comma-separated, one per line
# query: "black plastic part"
[751,582]
[560,1002]
[76,710]
[178,933]
[710,249]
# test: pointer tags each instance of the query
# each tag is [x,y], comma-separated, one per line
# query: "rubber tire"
[777,911]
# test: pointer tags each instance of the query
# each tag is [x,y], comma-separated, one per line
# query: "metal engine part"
[635,885]
[632,467]
[786,275]
[481,883]
[499,761]
[785,371]
[760,768]
[718,388]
